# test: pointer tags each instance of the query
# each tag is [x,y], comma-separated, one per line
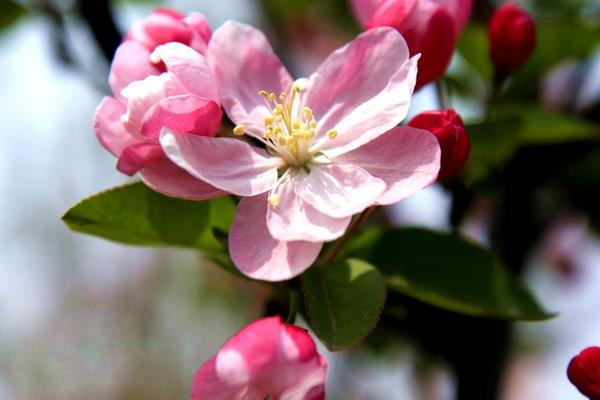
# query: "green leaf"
[493,142]
[134,214]
[343,301]
[449,272]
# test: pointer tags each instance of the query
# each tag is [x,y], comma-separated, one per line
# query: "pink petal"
[184,114]
[201,27]
[255,252]
[243,63]
[134,157]
[229,164]
[272,358]
[340,190]
[295,219]
[311,387]
[190,68]
[165,177]
[131,63]
[407,159]
[143,95]
[363,89]
[208,386]
[364,9]
[109,128]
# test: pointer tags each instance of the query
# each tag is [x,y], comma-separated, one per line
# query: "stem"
[339,245]
[293,306]
[442,94]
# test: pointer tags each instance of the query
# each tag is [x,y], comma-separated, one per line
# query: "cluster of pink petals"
[360,93]
[266,358]
[151,92]
[430,27]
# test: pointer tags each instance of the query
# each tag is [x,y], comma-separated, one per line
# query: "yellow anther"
[307,112]
[331,134]
[266,134]
[313,124]
[274,200]
[282,140]
[239,130]
[277,129]
[269,120]
[272,96]
[296,89]
[283,96]
[278,109]
[263,93]
[296,125]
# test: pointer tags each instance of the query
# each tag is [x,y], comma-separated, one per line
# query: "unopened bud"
[512,37]
[449,129]
[584,372]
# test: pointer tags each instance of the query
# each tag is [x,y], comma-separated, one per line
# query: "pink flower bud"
[268,358]
[165,25]
[584,372]
[512,37]
[449,129]
[430,27]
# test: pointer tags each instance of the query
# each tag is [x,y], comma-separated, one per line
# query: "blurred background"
[86,318]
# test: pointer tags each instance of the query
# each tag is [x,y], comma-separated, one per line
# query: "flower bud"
[584,372]
[447,126]
[512,37]
[430,28]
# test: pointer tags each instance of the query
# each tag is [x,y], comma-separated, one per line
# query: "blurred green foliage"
[10,12]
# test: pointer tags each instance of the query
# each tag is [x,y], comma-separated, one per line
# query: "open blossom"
[169,86]
[430,27]
[329,145]
[266,358]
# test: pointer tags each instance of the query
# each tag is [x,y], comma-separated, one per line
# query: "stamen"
[274,200]
[239,130]
[331,134]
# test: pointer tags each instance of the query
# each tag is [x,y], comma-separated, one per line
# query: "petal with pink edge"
[229,164]
[167,178]
[295,219]
[340,190]
[131,63]
[208,386]
[255,252]
[185,113]
[362,90]
[364,9]
[190,67]
[407,159]
[134,157]
[109,128]
[143,95]
[243,63]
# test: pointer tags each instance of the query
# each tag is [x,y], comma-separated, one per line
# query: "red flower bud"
[447,126]
[584,372]
[512,37]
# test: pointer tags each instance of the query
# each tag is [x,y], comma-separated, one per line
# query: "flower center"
[289,128]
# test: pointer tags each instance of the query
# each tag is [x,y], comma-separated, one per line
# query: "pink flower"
[430,27]
[165,25]
[266,358]
[329,144]
[584,372]
[512,37]
[448,127]
[171,87]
